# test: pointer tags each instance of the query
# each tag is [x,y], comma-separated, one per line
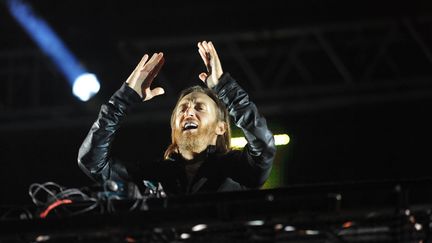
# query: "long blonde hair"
[223,142]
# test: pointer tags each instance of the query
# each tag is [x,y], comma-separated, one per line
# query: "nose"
[190,111]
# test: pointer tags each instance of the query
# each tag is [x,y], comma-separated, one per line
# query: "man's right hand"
[142,77]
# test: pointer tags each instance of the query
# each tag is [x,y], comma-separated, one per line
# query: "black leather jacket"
[235,170]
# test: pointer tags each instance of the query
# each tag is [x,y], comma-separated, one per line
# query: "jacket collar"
[210,150]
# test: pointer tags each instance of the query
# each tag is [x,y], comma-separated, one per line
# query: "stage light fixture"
[255,223]
[199,227]
[85,86]
[289,228]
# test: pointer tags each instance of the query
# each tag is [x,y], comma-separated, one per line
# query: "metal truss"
[359,52]
[288,69]
[320,60]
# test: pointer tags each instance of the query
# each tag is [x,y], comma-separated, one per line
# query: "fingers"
[149,94]
[208,54]
[154,60]
[142,62]
[209,49]
[213,50]
[203,56]
[159,65]
[203,76]
[202,48]
[157,91]
[214,61]
[151,69]
[132,77]
[205,46]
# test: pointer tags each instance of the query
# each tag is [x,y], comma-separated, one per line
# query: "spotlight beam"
[48,41]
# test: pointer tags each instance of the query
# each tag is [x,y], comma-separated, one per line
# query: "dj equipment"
[350,212]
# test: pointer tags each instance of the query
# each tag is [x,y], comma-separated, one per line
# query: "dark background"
[349,81]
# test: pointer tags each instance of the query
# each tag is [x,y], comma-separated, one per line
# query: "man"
[199,158]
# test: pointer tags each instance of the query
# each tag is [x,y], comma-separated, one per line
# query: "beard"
[194,141]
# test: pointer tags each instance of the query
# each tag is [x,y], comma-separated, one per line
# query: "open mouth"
[189,126]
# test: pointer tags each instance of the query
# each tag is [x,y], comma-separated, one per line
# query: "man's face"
[196,124]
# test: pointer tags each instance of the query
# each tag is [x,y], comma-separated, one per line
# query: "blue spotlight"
[84,84]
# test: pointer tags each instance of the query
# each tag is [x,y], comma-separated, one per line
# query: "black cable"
[54,192]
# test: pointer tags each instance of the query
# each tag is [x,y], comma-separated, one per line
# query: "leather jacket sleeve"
[254,164]
[94,154]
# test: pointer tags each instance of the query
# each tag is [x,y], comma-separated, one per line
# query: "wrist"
[135,88]
[126,95]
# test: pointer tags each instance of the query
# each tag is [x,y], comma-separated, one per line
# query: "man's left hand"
[211,60]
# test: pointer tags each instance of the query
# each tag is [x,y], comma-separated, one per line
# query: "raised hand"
[211,60]
[142,77]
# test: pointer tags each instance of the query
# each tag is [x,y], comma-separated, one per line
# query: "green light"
[240,142]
